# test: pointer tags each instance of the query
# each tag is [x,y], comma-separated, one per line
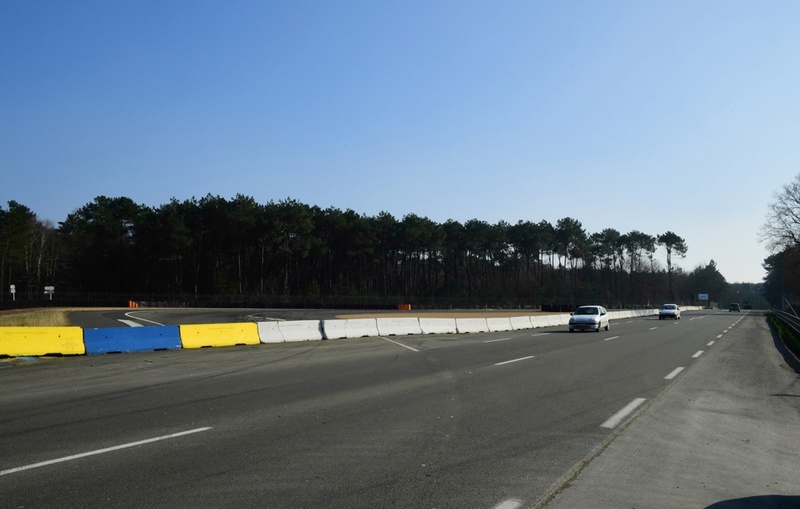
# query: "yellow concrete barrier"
[219,334]
[38,341]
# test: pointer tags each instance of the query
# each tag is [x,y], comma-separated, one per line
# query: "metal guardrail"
[789,319]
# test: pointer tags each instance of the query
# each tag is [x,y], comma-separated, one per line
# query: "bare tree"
[782,229]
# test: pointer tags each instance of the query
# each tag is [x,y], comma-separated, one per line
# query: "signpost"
[13,292]
[703,297]
[50,290]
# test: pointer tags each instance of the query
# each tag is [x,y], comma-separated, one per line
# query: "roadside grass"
[789,336]
[35,318]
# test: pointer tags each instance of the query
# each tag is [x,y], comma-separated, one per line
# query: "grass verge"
[35,318]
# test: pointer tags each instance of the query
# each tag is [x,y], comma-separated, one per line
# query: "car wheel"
[571,329]
[608,325]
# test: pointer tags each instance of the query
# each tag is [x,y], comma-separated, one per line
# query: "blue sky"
[645,115]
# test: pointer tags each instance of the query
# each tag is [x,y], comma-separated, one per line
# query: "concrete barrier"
[520,322]
[219,334]
[268,332]
[438,325]
[301,330]
[539,321]
[334,329]
[39,341]
[349,328]
[398,326]
[498,324]
[558,320]
[468,325]
[131,339]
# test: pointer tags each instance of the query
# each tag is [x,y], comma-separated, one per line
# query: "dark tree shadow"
[759,502]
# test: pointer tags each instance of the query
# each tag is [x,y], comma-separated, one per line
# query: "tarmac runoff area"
[725,436]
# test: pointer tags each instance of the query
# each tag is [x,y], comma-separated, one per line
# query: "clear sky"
[652,115]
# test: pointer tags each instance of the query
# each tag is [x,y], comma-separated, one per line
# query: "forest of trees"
[216,251]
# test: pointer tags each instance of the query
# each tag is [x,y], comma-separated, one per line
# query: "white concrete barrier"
[558,320]
[539,321]
[520,322]
[361,328]
[301,330]
[334,329]
[498,324]
[268,332]
[398,326]
[438,325]
[467,325]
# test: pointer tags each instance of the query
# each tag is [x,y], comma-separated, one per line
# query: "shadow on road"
[759,502]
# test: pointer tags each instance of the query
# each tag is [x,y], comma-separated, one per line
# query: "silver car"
[669,311]
[589,318]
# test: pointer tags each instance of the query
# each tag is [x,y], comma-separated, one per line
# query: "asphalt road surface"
[494,420]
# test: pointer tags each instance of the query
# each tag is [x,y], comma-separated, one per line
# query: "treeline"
[288,252]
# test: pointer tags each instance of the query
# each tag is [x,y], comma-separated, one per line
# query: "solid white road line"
[511,503]
[674,373]
[698,354]
[496,340]
[130,315]
[130,323]
[618,417]
[101,451]
[514,360]
[399,344]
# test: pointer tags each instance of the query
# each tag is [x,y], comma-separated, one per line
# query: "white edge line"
[674,373]
[100,451]
[399,344]
[514,360]
[496,340]
[622,414]
[511,503]
[128,314]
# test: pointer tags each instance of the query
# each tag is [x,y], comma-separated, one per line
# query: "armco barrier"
[468,325]
[398,326]
[131,339]
[219,334]
[438,325]
[39,341]
[299,330]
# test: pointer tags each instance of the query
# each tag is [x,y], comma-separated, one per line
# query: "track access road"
[495,420]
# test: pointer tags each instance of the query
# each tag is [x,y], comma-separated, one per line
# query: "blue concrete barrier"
[131,339]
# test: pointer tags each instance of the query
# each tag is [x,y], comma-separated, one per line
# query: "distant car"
[747,305]
[589,318]
[734,307]
[669,311]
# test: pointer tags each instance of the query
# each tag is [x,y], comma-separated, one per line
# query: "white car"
[669,311]
[589,318]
